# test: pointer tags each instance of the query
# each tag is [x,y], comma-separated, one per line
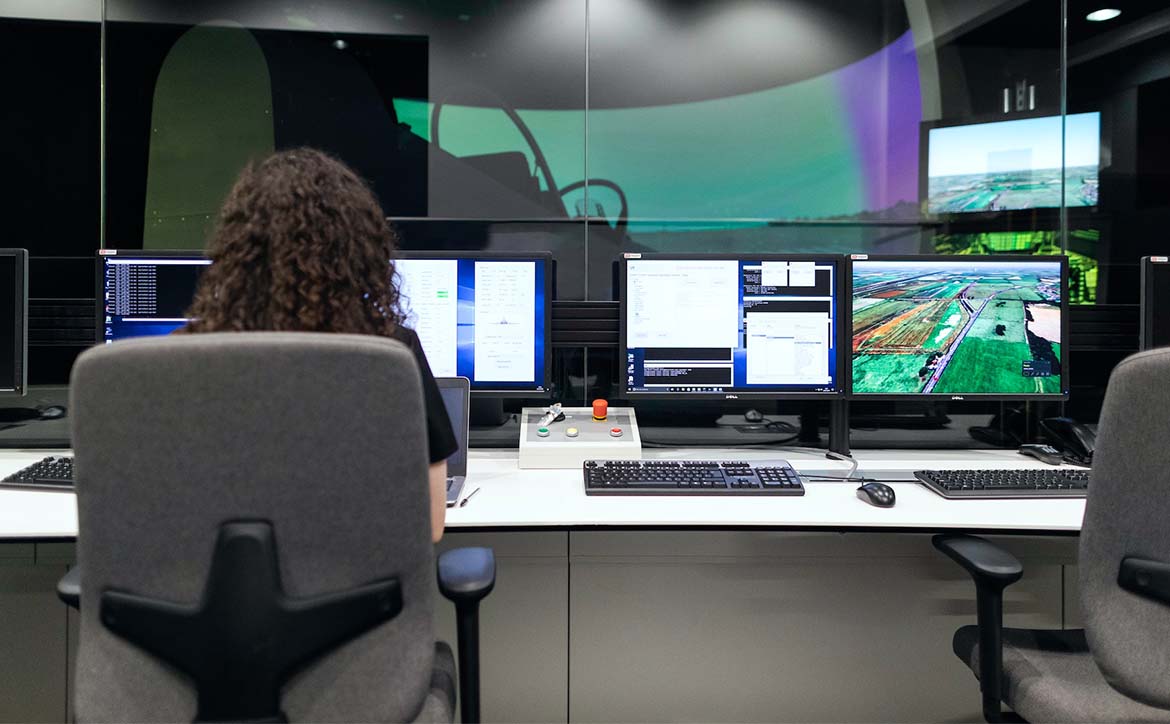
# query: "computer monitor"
[1015,164]
[13,321]
[145,293]
[959,327]
[485,316]
[728,327]
[1155,302]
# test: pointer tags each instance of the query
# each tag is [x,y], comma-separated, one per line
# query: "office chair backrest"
[1128,515]
[320,435]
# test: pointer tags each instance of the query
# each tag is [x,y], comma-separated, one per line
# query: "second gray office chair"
[1118,668]
[254,535]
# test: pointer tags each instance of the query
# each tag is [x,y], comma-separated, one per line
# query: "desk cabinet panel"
[32,642]
[769,627]
[523,626]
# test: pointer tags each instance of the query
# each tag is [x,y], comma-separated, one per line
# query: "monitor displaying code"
[727,326]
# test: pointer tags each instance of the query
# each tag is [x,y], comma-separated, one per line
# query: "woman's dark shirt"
[441,442]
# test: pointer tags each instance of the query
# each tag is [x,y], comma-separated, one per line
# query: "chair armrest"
[466,575]
[987,563]
[69,588]
[993,569]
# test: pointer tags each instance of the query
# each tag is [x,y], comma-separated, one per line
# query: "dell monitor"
[13,321]
[485,316]
[145,293]
[1015,164]
[1155,302]
[729,327]
[959,327]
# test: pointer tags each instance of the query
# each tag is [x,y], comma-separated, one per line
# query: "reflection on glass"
[195,89]
[838,145]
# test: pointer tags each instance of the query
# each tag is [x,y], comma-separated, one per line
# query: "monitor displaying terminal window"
[1016,164]
[485,316]
[145,293]
[1155,302]
[959,326]
[730,327]
[13,321]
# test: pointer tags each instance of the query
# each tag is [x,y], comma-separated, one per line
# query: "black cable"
[760,444]
[766,423]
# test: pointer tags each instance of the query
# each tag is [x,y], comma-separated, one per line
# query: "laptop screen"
[455,394]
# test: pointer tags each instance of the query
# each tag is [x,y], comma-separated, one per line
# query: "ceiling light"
[1098,16]
[340,44]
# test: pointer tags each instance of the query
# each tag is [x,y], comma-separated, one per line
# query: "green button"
[542,431]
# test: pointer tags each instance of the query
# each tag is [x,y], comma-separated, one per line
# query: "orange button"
[600,409]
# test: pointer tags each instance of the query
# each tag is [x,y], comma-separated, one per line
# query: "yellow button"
[572,432]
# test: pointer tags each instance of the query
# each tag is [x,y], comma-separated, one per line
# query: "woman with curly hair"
[302,245]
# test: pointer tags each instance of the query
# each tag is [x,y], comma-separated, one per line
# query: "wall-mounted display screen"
[1017,164]
[728,327]
[991,326]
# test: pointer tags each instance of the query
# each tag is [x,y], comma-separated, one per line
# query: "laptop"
[456,394]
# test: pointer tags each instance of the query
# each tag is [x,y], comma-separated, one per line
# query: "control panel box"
[568,443]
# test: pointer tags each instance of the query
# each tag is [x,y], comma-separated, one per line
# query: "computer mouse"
[753,416]
[878,494]
[52,412]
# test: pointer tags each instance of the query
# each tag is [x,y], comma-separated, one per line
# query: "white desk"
[612,598]
[510,498]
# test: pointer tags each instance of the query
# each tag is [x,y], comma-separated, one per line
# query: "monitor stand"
[487,412]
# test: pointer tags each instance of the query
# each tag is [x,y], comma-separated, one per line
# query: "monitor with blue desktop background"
[728,327]
[959,327]
[1016,164]
[145,293]
[485,316]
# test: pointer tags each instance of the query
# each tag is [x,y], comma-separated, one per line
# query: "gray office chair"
[1118,667]
[254,535]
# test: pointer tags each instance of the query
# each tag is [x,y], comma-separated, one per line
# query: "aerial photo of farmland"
[1017,189]
[956,327]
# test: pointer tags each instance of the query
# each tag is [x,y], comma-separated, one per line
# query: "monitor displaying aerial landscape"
[984,326]
[1008,165]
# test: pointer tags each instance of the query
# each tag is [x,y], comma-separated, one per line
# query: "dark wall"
[672,124]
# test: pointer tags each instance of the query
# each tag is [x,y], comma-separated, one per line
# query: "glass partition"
[596,127]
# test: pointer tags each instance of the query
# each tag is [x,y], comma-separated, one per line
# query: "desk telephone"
[1074,439]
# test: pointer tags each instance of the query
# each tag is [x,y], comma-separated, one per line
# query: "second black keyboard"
[1032,483]
[52,473]
[691,477]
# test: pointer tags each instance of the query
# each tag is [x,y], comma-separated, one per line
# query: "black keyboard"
[53,473]
[1038,483]
[691,477]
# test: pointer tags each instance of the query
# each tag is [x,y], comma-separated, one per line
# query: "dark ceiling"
[1036,23]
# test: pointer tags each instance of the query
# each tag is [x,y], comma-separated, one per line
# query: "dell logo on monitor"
[731,397]
[957,398]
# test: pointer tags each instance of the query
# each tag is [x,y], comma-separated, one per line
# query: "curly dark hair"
[302,245]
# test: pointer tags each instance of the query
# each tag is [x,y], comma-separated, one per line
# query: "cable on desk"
[761,444]
[766,423]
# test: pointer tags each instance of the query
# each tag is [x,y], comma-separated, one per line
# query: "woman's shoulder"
[406,335]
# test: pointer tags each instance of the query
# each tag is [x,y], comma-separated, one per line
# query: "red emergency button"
[600,409]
